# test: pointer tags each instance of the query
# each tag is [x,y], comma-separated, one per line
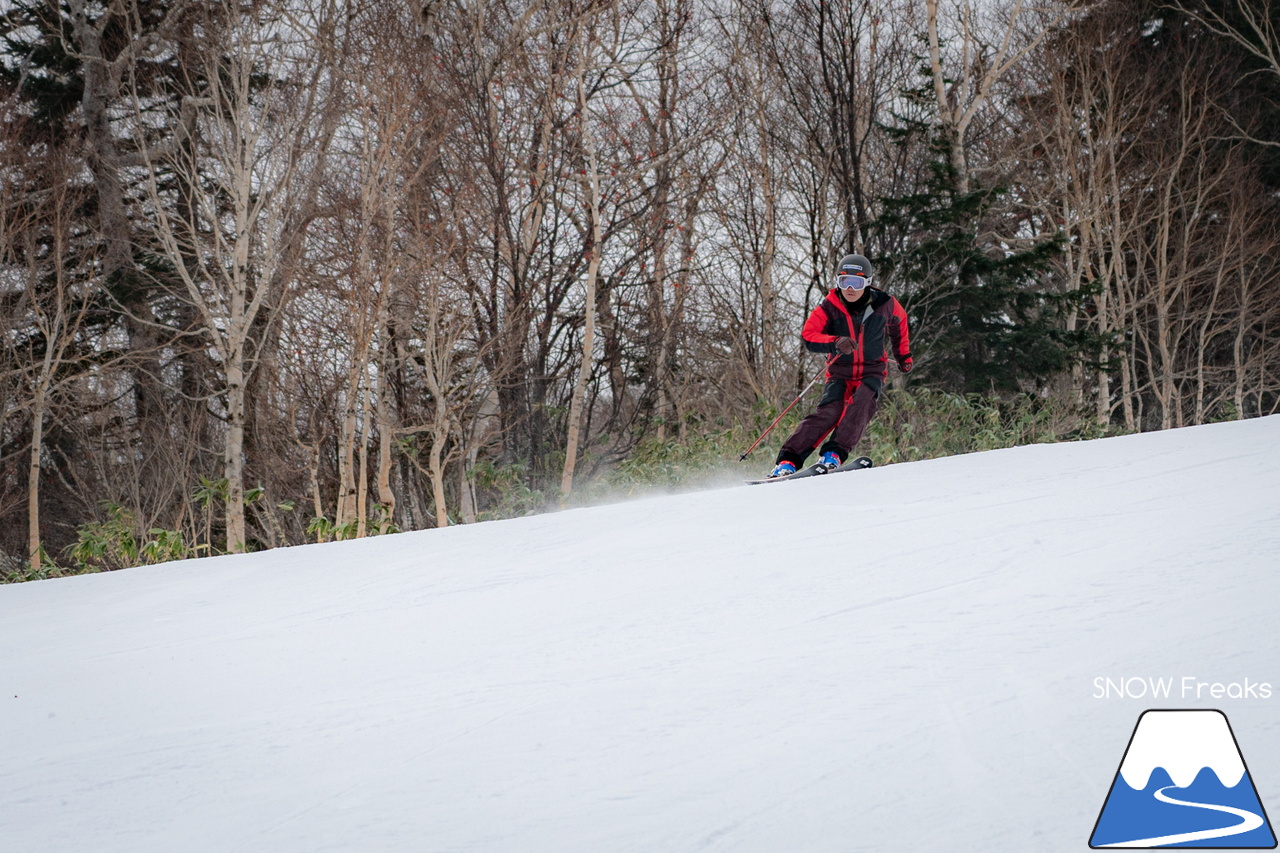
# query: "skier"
[850,323]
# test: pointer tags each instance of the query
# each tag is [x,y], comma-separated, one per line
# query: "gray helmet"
[854,265]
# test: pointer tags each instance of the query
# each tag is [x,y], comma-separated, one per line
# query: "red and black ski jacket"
[866,322]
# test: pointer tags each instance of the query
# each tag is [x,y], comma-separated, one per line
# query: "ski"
[817,471]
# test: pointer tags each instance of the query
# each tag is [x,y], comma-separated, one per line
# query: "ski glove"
[904,364]
[844,344]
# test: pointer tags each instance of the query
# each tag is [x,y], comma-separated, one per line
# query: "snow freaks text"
[1186,687]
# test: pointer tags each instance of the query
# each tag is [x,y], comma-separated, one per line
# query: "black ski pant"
[848,413]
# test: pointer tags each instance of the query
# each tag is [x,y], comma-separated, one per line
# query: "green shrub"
[506,492]
[116,544]
[911,424]
[323,528]
[924,424]
[15,571]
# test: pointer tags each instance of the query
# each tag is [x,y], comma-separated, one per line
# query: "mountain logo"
[1183,783]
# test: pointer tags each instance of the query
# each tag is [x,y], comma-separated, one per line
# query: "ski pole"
[769,429]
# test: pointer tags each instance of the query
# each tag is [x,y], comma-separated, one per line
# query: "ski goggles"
[848,281]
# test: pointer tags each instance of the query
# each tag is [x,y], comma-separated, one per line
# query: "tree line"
[294,270]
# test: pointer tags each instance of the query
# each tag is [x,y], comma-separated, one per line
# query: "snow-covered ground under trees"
[896,659]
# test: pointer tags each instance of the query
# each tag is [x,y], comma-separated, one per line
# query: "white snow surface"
[895,659]
[1183,743]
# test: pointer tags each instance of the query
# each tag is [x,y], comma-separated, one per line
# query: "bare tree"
[48,297]
[817,84]
[259,85]
[591,201]
[981,54]
[1169,228]
[1252,24]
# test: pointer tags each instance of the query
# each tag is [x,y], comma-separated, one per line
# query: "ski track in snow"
[897,660]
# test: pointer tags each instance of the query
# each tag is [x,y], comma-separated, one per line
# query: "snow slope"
[898,659]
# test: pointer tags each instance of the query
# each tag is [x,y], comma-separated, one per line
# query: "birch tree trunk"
[233,456]
[33,475]
[362,480]
[436,461]
[53,337]
[592,188]
[386,431]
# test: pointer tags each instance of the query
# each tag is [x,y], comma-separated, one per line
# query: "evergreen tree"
[983,312]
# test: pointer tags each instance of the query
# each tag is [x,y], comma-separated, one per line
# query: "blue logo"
[1183,783]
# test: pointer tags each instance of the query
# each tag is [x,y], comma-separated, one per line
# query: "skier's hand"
[844,344]
[904,364]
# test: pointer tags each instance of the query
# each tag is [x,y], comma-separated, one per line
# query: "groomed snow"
[897,659]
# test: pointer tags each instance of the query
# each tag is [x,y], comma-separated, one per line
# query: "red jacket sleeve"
[899,334]
[815,339]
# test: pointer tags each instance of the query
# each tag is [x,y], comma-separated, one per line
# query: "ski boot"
[783,469]
[830,461]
